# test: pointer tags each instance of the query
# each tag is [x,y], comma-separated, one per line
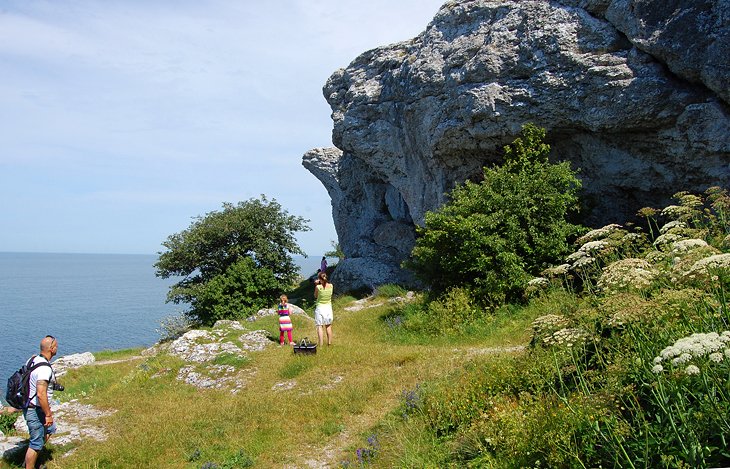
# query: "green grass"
[339,393]
[403,394]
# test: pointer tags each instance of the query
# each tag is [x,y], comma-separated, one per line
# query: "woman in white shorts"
[323,312]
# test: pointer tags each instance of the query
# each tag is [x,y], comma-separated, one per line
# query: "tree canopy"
[493,235]
[233,261]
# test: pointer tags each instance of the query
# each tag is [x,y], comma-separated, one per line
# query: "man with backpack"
[38,413]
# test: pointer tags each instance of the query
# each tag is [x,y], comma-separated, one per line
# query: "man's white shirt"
[43,373]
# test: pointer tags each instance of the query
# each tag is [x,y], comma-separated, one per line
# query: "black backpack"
[19,385]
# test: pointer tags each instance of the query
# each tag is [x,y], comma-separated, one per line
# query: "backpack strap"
[32,368]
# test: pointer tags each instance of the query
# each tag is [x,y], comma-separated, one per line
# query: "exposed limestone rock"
[632,92]
[200,348]
[75,422]
[63,364]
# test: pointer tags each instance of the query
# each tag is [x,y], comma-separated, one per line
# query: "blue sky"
[122,120]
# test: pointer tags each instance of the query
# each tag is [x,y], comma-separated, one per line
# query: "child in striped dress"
[285,324]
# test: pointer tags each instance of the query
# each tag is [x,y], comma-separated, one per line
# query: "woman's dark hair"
[322,277]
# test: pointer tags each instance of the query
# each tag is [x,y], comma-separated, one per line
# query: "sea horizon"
[90,301]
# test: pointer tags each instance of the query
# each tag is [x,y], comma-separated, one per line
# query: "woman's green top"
[324,295]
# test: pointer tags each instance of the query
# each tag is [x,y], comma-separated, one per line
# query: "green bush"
[233,261]
[493,236]
[238,293]
[7,421]
[452,312]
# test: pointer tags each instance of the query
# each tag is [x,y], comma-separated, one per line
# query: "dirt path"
[333,452]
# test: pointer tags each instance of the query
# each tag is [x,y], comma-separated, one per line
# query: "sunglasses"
[53,339]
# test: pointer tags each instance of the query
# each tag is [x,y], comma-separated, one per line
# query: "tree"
[493,235]
[232,261]
[336,251]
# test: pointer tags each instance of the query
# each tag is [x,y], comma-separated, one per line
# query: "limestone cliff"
[635,93]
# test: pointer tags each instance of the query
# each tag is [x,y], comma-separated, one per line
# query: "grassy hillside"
[293,409]
[618,358]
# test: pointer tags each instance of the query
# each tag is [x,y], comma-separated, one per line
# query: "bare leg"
[329,334]
[30,458]
[319,335]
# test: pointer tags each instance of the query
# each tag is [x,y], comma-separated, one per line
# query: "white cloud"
[154,102]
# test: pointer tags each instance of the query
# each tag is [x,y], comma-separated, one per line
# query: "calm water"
[90,302]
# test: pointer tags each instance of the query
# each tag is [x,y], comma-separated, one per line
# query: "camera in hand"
[57,386]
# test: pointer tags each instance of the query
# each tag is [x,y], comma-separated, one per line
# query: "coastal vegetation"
[493,236]
[232,261]
[601,348]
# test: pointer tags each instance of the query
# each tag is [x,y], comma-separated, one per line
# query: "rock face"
[635,93]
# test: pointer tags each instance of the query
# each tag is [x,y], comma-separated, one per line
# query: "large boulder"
[633,92]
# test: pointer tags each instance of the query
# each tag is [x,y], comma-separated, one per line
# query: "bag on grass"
[305,347]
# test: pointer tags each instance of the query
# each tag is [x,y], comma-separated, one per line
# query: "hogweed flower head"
[538,282]
[672,225]
[647,212]
[675,212]
[627,274]
[703,267]
[664,241]
[686,245]
[567,336]
[549,322]
[698,346]
[688,200]
[556,271]
[599,233]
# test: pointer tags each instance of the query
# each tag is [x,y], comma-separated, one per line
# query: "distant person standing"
[323,312]
[38,415]
[285,324]
[323,265]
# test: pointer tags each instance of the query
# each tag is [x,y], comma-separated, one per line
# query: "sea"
[89,302]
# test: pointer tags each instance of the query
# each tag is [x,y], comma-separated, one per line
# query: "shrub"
[7,421]
[495,235]
[173,327]
[232,261]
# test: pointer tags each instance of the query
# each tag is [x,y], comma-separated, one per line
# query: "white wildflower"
[538,282]
[593,246]
[664,241]
[556,271]
[627,274]
[631,238]
[692,370]
[684,358]
[657,369]
[549,323]
[704,266]
[583,262]
[697,345]
[598,233]
[685,245]
[575,256]
[671,225]
[675,211]
[567,336]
